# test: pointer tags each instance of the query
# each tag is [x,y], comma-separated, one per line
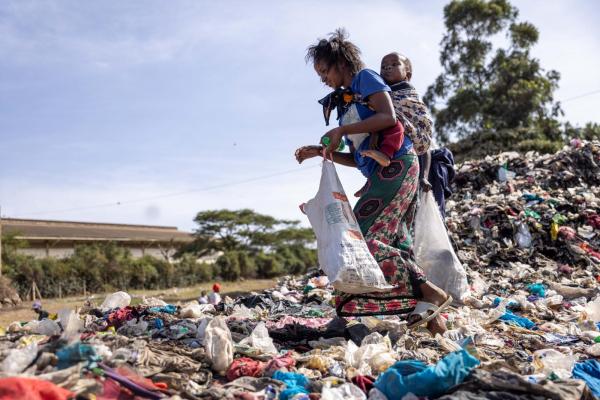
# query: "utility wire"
[167,195]
[175,194]
[580,96]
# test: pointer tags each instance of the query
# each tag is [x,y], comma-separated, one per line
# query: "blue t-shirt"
[366,83]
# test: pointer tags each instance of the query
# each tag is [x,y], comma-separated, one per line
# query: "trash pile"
[526,229]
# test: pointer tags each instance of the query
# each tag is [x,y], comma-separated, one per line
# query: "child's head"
[335,58]
[36,306]
[396,67]
[216,288]
[203,293]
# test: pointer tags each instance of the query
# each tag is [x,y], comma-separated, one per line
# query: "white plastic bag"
[342,250]
[116,300]
[434,252]
[218,344]
[259,339]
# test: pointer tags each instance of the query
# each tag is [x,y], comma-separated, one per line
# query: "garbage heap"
[525,228]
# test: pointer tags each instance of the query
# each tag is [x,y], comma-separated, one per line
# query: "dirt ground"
[173,295]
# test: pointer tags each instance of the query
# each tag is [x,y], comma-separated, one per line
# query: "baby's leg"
[381,158]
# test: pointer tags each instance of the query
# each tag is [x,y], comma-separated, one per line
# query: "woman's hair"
[336,50]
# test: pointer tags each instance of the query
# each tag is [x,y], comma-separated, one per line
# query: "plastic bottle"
[325,140]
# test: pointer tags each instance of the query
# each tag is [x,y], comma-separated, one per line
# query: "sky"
[147,112]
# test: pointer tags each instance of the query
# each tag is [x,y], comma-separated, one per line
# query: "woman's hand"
[335,137]
[306,152]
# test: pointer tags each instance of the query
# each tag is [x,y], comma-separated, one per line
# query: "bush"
[229,266]
[103,267]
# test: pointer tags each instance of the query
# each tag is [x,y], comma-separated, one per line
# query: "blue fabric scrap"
[515,319]
[168,309]
[422,380]
[295,384]
[589,371]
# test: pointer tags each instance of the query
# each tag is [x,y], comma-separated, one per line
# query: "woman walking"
[386,208]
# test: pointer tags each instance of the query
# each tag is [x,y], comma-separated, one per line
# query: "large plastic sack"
[116,300]
[342,250]
[434,252]
[218,344]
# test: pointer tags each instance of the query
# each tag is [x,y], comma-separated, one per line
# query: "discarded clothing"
[431,381]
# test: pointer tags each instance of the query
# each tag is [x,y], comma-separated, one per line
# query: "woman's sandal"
[427,312]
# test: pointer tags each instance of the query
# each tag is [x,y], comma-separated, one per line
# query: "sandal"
[427,312]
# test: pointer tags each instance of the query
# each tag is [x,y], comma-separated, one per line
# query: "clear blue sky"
[148,103]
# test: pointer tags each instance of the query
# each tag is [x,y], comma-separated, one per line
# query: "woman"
[386,208]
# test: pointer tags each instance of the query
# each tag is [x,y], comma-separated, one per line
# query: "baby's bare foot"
[378,156]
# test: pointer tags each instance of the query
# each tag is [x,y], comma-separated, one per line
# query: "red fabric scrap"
[282,362]
[245,366]
[364,382]
[32,389]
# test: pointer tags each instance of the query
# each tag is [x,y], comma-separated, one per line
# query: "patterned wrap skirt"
[385,213]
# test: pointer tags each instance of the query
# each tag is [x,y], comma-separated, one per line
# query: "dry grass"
[173,295]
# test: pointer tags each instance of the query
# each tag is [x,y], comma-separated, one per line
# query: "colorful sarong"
[385,213]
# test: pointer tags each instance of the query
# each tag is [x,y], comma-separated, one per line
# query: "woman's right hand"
[306,152]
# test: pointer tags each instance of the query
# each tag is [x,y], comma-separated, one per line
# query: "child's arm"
[384,116]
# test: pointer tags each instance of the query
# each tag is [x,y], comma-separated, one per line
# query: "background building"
[58,239]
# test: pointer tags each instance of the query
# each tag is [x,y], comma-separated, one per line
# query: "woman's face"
[330,75]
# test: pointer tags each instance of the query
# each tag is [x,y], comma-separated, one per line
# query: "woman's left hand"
[335,137]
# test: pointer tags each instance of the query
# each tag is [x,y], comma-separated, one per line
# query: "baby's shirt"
[364,84]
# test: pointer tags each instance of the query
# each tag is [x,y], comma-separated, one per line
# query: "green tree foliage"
[253,244]
[484,89]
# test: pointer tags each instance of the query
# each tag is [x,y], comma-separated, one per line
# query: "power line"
[581,95]
[175,194]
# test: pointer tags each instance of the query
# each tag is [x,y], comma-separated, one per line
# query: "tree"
[482,89]
[253,244]
[247,230]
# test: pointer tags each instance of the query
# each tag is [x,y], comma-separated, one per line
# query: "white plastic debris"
[116,300]
[259,339]
[18,359]
[218,344]
[191,310]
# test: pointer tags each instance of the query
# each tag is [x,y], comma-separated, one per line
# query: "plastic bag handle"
[324,154]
